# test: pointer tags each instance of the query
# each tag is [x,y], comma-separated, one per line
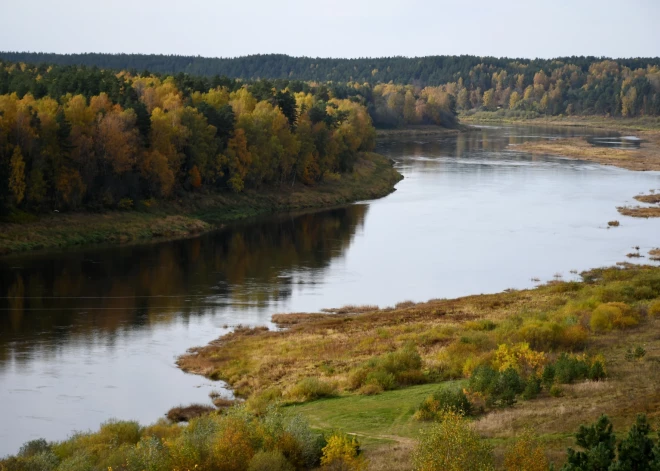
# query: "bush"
[654,308]
[602,319]
[597,371]
[342,453]
[33,447]
[532,387]
[569,369]
[400,368]
[498,388]
[526,454]
[451,445]
[270,461]
[381,378]
[148,455]
[312,388]
[548,376]
[125,204]
[447,398]
[556,391]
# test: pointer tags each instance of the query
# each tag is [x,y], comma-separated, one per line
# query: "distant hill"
[423,71]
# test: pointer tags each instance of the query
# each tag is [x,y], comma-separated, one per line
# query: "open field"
[373,177]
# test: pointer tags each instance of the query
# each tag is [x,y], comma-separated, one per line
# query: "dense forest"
[567,85]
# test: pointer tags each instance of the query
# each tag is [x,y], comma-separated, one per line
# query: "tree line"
[86,138]
[565,85]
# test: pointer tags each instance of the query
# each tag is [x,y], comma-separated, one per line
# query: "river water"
[89,335]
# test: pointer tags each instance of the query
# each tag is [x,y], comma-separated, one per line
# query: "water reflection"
[46,301]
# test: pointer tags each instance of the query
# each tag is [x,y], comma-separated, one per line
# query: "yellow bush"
[574,337]
[519,357]
[602,318]
[342,452]
[526,454]
[609,315]
[654,308]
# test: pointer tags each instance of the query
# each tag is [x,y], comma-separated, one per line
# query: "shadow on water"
[48,300]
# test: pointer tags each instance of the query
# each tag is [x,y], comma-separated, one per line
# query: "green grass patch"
[374,418]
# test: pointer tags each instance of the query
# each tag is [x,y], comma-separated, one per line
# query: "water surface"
[93,334]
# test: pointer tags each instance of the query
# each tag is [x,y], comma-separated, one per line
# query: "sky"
[337,28]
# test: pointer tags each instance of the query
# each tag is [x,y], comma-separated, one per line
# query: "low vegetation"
[647,157]
[548,358]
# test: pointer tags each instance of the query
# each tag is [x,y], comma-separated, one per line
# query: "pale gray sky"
[338,28]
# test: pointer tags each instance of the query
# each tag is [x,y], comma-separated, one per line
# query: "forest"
[565,85]
[81,137]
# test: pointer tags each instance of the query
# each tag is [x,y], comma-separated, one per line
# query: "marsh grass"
[650,199]
[187,413]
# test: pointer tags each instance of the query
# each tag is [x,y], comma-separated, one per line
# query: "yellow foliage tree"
[342,452]
[17,175]
[526,455]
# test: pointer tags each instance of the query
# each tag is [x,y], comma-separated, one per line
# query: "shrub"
[312,388]
[388,371]
[381,378]
[654,308]
[532,387]
[569,368]
[125,204]
[447,398]
[342,453]
[451,445]
[498,388]
[270,461]
[526,454]
[148,455]
[311,443]
[556,391]
[548,376]
[33,447]
[602,319]
[597,371]
[258,403]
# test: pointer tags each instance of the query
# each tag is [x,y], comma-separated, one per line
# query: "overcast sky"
[337,28]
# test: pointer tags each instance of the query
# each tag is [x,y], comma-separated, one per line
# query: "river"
[88,335]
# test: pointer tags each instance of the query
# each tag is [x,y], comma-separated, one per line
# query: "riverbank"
[649,123]
[372,177]
[336,364]
[419,131]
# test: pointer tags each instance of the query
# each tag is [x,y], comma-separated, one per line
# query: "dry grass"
[351,309]
[287,320]
[223,403]
[640,211]
[187,413]
[647,157]
[650,199]
[397,457]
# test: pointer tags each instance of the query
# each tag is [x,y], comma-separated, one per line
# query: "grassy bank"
[373,177]
[649,123]
[419,131]
[606,317]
